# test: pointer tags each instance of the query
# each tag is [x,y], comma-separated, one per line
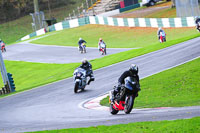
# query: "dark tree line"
[13,9]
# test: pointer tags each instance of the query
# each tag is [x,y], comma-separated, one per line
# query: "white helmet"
[80,39]
[84,61]
[134,69]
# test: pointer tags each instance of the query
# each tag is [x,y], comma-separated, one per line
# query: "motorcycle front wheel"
[76,87]
[128,104]
[112,110]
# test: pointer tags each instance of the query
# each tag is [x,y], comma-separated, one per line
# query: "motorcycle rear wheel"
[128,104]
[112,110]
[76,87]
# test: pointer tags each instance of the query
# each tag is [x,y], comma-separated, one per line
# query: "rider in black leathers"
[132,72]
[80,42]
[88,67]
[197,20]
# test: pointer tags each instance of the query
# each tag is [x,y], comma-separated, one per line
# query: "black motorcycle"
[124,99]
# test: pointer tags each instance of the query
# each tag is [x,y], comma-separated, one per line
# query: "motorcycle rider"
[2,45]
[197,20]
[88,67]
[160,30]
[99,43]
[80,42]
[132,72]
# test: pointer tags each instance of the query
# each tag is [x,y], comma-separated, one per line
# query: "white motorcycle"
[80,79]
[103,48]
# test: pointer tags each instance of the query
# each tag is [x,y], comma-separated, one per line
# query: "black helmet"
[134,69]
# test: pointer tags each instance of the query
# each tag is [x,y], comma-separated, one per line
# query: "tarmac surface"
[55,106]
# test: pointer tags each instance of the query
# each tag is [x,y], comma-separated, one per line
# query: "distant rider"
[160,32]
[197,20]
[2,45]
[80,42]
[101,42]
[88,67]
[132,72]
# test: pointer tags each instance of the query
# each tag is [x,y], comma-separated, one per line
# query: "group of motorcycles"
[123,100]
[102,48]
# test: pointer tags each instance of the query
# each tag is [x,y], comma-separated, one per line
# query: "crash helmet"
[196,17]
[134,69]
[84,61]
[80,39]
[160,28]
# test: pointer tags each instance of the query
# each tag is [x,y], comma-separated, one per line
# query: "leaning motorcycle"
[82,48]
[80,79]
[124,99]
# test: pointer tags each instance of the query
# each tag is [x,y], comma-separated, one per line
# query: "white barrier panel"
[142,22]
[131,22]
[59,26]
[177,22]
[101,20]
[92,20]
[165,22]
[120,21]
[153,22]
[73,23]
[26,37]
[190,21]
[110,21]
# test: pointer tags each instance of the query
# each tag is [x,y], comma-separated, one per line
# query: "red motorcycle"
[103,48]
[124,99]
[162,37]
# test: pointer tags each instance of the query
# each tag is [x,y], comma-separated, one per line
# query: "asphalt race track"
[55,106]
[52,53]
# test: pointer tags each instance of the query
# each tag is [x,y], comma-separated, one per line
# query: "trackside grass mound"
[114,37]
[175,87]
[180,126]
[29,75]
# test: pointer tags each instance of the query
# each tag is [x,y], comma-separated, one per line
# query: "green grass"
[176,126]
[171,88]
[16,29]
[115,37]
[29,75]
[165,13]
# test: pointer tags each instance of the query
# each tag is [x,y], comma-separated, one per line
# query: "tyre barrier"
[4,91]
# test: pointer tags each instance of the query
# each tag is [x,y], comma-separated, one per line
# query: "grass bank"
[115,37]
[176,87]
[29,75]
[185,125]
[16,29]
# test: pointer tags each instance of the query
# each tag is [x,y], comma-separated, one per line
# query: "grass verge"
[16,29]
[184,125]
[175,87]
[29,75]
[114,37]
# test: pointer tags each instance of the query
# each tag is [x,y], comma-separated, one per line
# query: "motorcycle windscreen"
[130,84]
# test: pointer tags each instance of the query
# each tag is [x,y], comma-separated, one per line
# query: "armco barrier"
[128,22]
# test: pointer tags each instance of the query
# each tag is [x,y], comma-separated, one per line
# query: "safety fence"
[127,22]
